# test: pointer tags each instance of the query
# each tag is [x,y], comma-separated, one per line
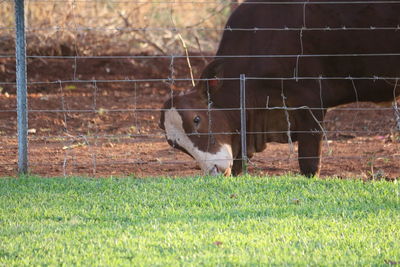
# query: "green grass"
[250,221]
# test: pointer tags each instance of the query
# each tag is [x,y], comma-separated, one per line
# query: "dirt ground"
[94,129]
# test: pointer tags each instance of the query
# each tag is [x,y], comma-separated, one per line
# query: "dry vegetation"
[93,27]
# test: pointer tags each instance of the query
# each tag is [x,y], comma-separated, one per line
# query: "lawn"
[285,221]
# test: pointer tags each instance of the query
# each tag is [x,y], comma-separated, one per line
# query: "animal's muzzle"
[216,171]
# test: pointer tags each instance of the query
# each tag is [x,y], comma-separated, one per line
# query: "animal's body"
[197,121]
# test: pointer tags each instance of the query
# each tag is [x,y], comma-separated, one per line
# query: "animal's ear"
[212,76]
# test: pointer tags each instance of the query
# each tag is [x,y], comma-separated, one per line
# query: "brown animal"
[326,54]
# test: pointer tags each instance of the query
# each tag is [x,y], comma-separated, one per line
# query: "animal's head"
[196,126]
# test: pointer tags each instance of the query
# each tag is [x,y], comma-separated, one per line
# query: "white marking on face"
[222,160]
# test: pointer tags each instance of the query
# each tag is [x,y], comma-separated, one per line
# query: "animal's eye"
[196,120]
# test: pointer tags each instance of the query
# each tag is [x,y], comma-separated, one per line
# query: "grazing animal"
[326,54]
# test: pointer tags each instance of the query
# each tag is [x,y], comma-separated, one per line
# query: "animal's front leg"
[237,167]
[310,153]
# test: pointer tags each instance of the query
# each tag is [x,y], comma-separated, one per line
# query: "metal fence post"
[243,122]
[22,114]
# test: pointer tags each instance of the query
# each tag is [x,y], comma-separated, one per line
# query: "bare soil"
[93,128]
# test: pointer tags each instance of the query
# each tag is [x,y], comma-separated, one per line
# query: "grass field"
[254,221]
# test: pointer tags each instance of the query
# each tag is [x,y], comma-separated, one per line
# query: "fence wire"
[96,87]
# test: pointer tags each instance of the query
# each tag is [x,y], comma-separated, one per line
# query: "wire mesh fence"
[99,73]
